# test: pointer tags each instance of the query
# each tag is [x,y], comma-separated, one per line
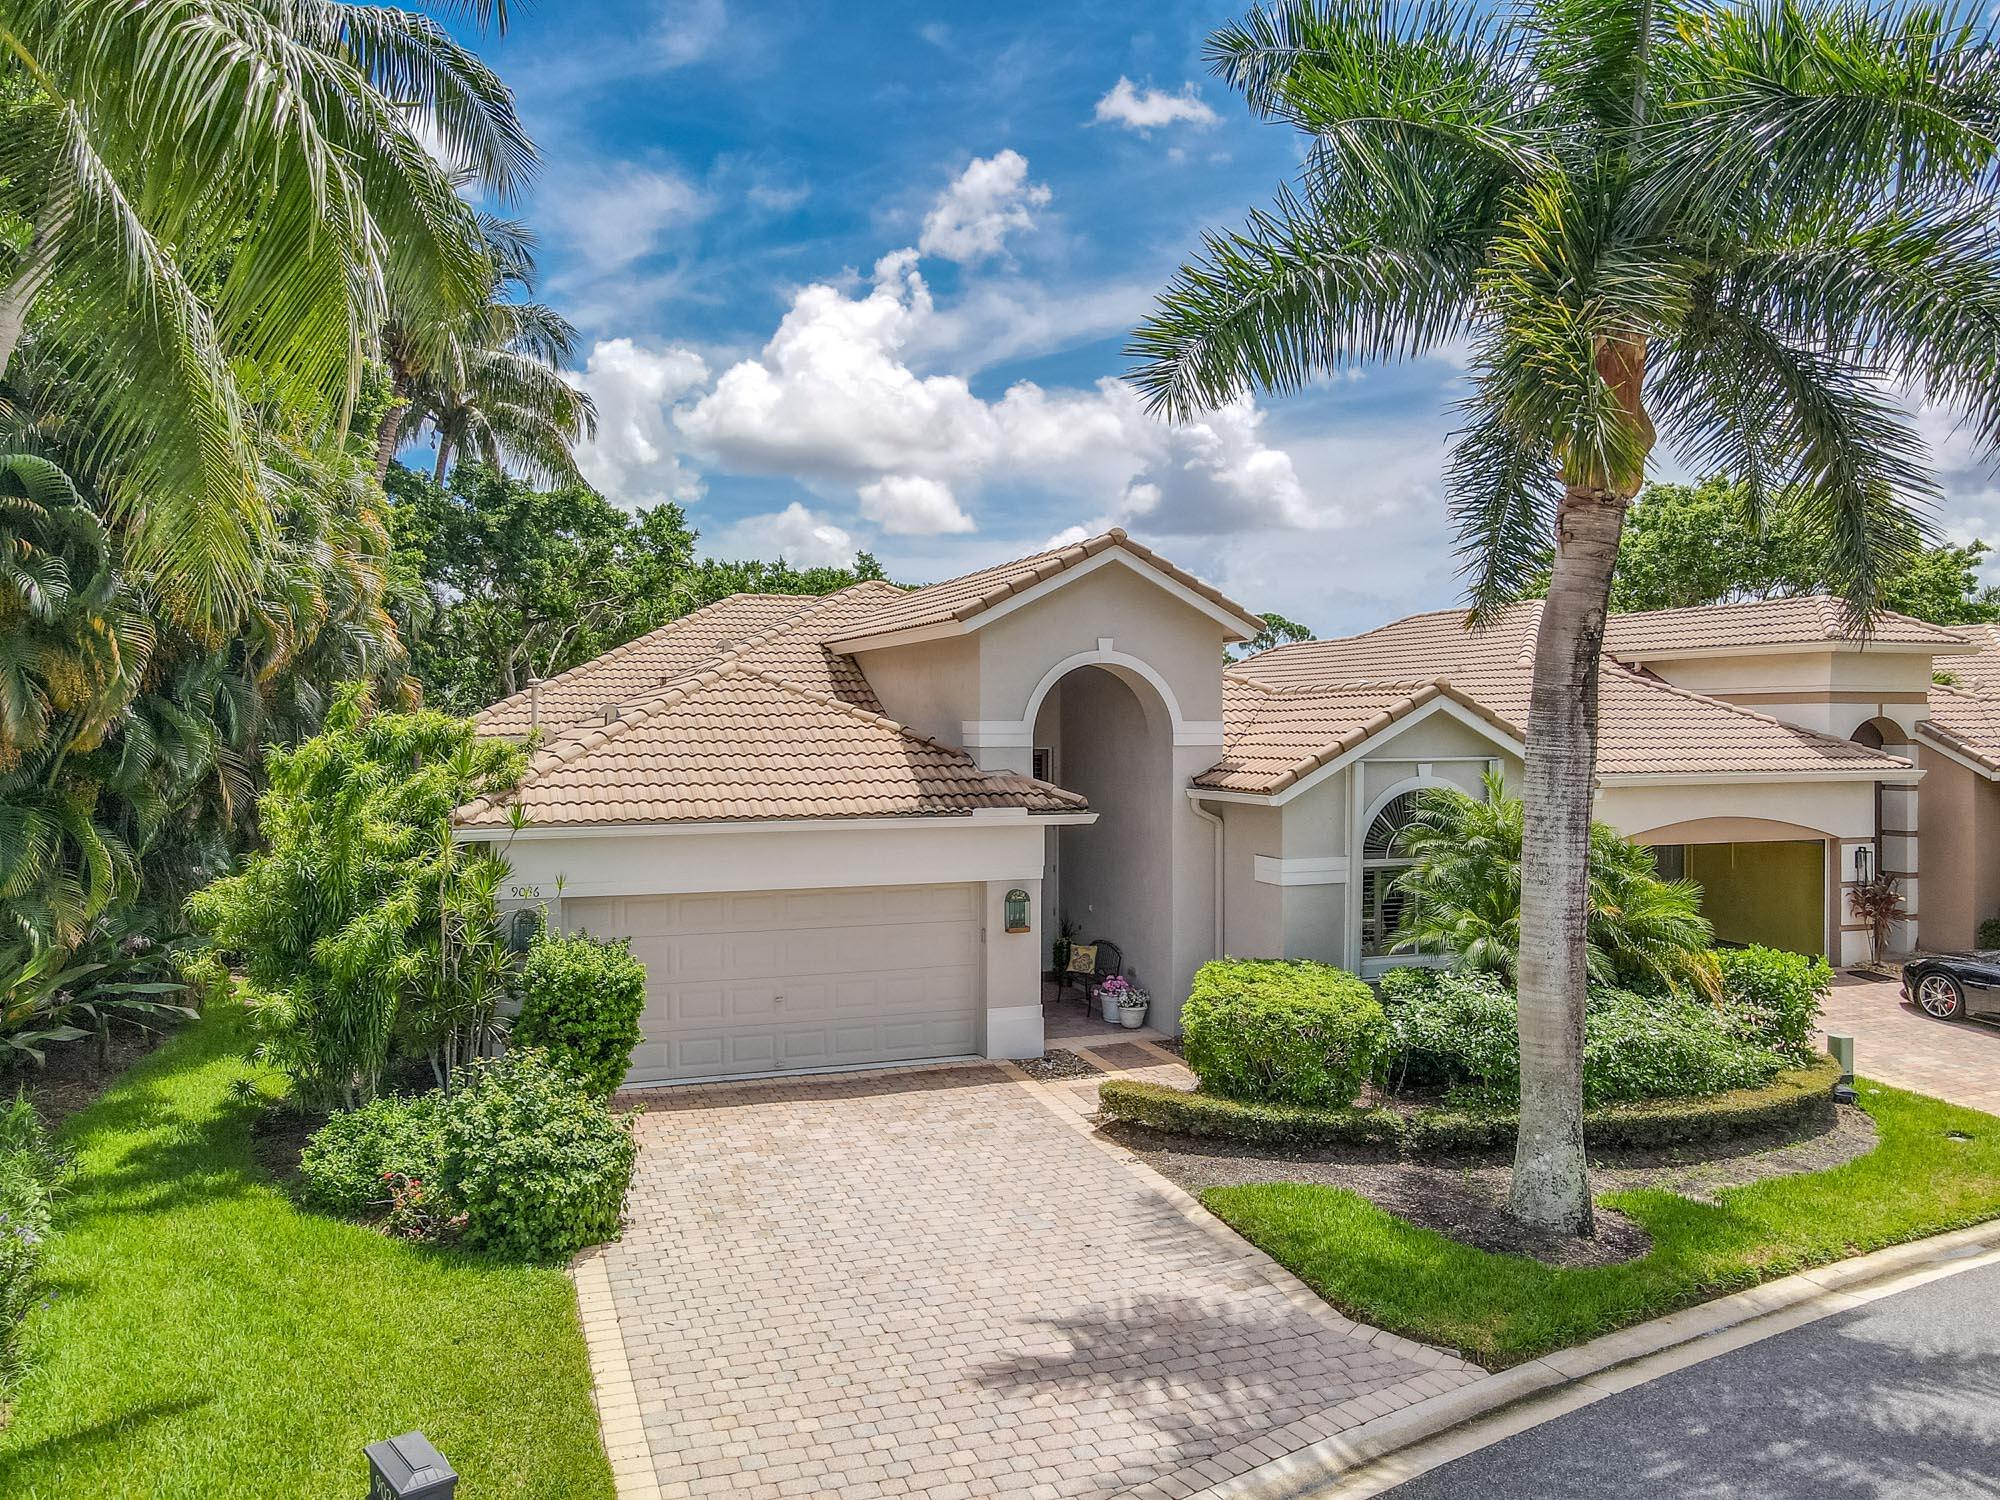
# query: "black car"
[1955,985]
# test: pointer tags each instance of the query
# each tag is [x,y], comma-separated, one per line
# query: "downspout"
[1214,819]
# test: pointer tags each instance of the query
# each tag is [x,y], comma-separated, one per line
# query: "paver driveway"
[1897,1043]
[931,1282]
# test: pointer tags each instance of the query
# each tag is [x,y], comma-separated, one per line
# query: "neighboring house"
[1958,746]
[809,815]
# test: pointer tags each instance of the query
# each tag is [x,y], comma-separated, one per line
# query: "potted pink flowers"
[1122,1001]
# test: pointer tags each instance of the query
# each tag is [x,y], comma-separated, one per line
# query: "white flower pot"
[1107,1006]
[1132,1017]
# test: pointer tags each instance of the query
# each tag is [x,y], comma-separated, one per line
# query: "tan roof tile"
[959,599]
[1979,672]
[732,742]
[1966,722]
[1803,620]
[1276,736]
[1646,727]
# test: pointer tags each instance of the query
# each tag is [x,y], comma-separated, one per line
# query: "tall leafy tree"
[1707,544]
[520,582]
[196,186]
[1729,221]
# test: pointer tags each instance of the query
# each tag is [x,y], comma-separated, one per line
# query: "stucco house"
[810,814]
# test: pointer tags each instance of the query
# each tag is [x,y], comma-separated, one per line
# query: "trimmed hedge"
[1796,1098]
[580,1003]
[1281,1031]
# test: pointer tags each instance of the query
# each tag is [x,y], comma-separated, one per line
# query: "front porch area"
[1068,1022]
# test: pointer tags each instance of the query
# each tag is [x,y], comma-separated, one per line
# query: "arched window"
[1381,904]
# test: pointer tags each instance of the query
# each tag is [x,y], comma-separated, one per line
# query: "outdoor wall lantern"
[1017,910]
[409,1468]
[1864,865]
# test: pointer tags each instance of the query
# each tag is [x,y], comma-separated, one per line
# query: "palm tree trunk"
[444,459]
[389,435]
[1551,1183]
[36,266]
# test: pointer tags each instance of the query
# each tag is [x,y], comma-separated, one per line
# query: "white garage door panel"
[765,981]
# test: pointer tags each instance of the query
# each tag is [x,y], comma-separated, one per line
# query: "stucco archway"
[1106,730]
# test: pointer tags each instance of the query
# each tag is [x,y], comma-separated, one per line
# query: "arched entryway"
[1105,731]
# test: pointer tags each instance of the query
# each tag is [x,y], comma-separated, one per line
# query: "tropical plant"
[1726,220]
[1464,890]
[489,380]
[361,921]
[199,187]
[1878,903]
[31,1172]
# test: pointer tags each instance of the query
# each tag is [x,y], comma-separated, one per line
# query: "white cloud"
[634,459]
[911,505]
[799,536]
[989,200]
[614,216]
[1146,110]
[833,399]
[688,31]
[936,33]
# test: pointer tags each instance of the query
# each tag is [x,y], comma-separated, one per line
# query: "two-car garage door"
[752,982]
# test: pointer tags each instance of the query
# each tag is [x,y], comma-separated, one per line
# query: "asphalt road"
[1898,1398]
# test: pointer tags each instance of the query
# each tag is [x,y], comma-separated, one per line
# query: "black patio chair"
[1110,960]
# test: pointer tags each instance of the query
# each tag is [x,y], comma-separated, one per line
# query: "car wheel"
[1940,996]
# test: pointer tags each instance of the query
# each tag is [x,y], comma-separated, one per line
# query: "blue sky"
[858,276]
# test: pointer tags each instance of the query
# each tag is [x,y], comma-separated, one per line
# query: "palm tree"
[1731,220]
[267,154]
[1462,896]
[490,379]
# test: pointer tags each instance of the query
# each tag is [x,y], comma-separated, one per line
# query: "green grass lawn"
[208,1338]
[1502,1309]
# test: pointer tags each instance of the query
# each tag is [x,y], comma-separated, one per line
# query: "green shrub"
[30,1170]
[1657,1047]
[580,1002]
[1988,936]
[1450,1029]
[349,1162]
[1281,1031]
[1773,998]
[538,1166]
[1461,1031]
[1791,1101]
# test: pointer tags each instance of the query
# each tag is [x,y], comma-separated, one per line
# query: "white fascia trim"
[1326,870]
[1957,757]
[1238,627]
[1794,648]
[948,823]
[1372,746]
[1755,778]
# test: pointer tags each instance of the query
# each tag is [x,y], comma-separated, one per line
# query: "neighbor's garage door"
[769,981]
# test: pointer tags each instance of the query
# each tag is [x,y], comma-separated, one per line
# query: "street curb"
[1379,1454]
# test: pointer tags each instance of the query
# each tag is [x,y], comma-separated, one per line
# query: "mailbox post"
[409,1468]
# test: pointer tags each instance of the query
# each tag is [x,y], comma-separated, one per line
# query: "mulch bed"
[1466,1199]
[1056,1063]
[74,1077]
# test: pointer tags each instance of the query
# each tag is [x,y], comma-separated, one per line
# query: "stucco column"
[1194,856]
[1896,849]
[1013,973]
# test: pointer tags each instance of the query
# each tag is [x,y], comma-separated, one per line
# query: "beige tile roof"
[1966,722]
[1276,736]
[1646,727]
[733,742]
[1978,672]
[784,632]
[972,594]
[1804,620]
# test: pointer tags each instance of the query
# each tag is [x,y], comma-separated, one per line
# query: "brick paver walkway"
[1899,1044]
[935,1282]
